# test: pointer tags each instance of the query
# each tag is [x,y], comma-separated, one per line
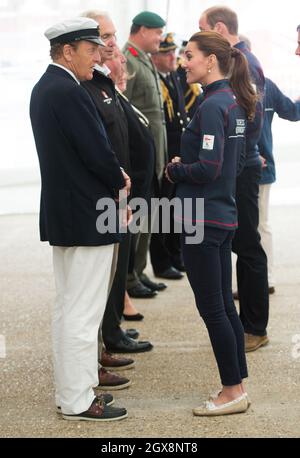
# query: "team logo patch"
[208,142]
[240,126]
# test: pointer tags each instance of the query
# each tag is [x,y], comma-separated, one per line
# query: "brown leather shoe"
[253,342]
[111,382]
[110,362]
[106,398]
[98,411]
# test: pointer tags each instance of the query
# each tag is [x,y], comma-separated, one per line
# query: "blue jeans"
[209,270]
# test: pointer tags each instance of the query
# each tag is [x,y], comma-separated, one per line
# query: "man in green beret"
[143,89]
[144,92]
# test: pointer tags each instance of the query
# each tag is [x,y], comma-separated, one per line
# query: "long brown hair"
[232,64]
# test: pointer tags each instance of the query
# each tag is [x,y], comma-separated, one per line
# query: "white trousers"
[82,276]
[265,230]
[111,280]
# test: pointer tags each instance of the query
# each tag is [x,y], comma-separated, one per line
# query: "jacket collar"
[241,45]
[215,86]
[99,76]
[59,70]
[103,69]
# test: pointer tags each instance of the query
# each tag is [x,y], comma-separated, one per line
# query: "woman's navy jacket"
[212,153]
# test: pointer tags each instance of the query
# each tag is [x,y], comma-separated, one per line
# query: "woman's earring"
[209,70]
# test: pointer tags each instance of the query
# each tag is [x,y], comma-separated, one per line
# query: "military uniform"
[144,92]
[143,88]
[192,92]
[176,119]
[165,249]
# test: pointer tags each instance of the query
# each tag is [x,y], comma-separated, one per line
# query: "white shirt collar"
[102,69]
[67,70]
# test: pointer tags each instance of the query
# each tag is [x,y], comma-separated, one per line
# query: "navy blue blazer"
[212,154]
[254,128]
[274,102]
[77,163]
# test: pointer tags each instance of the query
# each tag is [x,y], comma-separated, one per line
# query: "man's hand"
[124,192]
[129,215]
[125,216]
[127,187]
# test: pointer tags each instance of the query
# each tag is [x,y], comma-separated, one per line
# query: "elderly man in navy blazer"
[78,167]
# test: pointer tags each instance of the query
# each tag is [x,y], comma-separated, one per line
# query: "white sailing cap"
[77,29]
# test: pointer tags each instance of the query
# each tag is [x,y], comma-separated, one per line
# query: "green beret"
[149,20]
[168,43]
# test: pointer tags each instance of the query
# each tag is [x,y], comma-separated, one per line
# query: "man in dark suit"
[103,93]
[165,249]
[78,167]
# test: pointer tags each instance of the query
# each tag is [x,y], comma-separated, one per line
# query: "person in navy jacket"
[212,154]
[78,167]
[251,267]
[274,102]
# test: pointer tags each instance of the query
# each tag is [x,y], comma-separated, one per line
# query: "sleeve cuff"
[174,171]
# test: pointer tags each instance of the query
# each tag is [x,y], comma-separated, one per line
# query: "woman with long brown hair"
[212,151]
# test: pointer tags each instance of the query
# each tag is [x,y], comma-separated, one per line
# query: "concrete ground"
[169,381]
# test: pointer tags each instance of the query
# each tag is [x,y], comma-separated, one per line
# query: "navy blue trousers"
[209,270]
[252,265]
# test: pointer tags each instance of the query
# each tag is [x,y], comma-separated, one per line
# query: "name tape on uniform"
[240,126]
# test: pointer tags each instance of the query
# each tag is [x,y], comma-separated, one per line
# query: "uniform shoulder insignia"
[133,51]
[170,38]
